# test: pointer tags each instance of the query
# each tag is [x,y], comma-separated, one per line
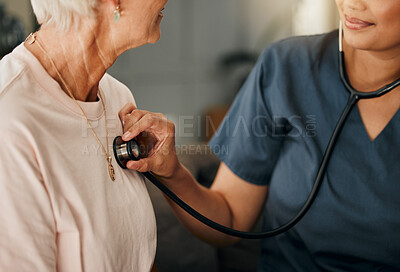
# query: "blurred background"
[205,52]
[192,75]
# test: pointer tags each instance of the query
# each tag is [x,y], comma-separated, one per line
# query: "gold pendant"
[111,171]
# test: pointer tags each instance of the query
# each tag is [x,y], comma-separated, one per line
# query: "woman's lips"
[356,24]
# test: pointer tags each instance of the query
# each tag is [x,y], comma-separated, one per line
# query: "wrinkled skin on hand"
[155,135]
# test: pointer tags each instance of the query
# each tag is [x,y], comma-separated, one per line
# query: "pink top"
[59,210]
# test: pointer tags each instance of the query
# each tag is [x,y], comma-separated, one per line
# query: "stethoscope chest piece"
[125,151]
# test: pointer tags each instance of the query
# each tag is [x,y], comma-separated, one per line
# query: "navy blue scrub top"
[275,134]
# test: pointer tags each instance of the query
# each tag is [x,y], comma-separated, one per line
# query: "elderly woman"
[65,206]
[290,105]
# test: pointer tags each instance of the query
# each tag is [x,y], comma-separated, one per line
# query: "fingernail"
[126,135]
[123,119]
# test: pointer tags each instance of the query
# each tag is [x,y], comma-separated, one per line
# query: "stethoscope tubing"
[306,206]
[354,97]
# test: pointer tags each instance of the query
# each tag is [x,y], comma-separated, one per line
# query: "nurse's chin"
[362,41]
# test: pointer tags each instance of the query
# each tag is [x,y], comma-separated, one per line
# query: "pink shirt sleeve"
[27,225]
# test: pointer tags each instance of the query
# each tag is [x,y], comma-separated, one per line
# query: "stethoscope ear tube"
[343,75]
[119,144]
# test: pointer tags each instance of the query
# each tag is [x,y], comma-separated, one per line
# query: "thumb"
[142,165]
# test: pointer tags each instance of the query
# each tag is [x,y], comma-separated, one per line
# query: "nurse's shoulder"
[298,51]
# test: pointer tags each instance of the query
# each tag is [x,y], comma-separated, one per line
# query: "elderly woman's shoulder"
[17,93]
[13,82]
[10,69]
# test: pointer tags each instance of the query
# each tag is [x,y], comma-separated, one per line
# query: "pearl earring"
[117,14]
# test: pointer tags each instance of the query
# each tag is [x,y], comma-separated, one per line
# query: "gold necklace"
[111,172]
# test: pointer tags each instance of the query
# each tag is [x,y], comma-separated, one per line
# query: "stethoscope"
[126,151]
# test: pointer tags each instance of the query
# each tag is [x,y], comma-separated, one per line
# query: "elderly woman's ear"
[113,4]
[108,10]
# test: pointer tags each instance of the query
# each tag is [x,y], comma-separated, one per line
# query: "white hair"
[62,13]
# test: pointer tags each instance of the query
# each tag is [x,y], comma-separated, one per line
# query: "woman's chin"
[360,43]
[155,37]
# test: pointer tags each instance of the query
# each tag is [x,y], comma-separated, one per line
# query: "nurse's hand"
[156,136]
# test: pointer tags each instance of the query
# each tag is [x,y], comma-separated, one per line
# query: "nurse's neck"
[369,70]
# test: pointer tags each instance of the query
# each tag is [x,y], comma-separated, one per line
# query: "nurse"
[291,103]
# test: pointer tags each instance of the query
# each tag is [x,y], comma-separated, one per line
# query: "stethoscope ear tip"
[340,36]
